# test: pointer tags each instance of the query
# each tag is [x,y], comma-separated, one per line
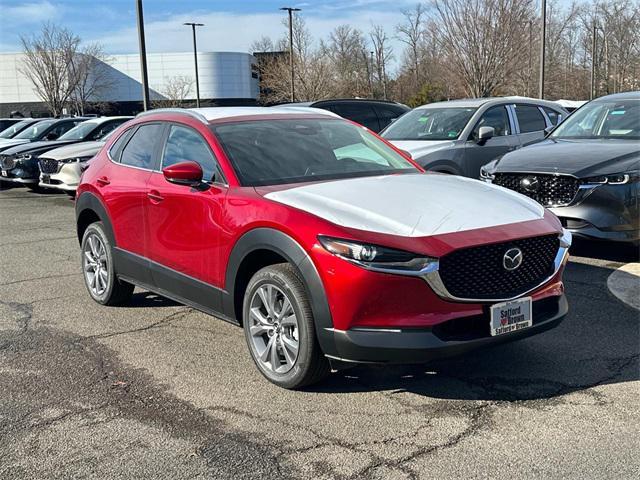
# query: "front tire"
[280,329]
[98,268]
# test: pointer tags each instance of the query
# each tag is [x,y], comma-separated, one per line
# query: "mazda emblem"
[530,184]
[512,259]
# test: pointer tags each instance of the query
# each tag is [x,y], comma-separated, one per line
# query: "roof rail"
[184,111]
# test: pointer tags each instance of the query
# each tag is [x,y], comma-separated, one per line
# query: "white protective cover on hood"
[411,205]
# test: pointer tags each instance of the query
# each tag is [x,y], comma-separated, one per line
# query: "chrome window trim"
[434,280]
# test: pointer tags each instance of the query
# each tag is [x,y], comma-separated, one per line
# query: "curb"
[624,283]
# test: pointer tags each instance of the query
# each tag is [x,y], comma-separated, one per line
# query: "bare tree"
[347,50]
[176,91]
[382,54]
[91,74]
[481,38]
[411,32]
[48,55]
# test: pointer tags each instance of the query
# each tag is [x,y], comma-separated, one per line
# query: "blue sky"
[230,25]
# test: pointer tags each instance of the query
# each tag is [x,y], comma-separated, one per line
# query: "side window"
[530,118]
[387,115]
[184,144]
[554,116]
[62,128]
[118,145]
[362,114]
[139,151]
[105,128]
[496,117]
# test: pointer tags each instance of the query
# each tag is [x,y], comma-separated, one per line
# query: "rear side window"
[140,150]
[530,118]
[184,144]
[362,114]
[387,114]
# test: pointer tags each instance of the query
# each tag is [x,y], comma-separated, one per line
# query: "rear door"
[123,184]
[504,140]
[531,123]
[184,222]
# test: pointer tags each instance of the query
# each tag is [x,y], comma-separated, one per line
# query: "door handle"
[103,181]
[155,196]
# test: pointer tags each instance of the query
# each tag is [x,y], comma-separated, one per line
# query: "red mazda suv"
[324,242]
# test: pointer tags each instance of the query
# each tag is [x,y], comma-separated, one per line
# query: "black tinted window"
[62,128]
[387,114]
[497,118]
[530,119]
[305,150]
[362,114]
[184,144]
[139,151]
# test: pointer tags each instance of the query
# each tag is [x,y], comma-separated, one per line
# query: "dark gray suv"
[460,136]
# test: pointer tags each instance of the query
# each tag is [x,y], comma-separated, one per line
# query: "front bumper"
[419,345]
[23,171]
[606,212]
[67,178]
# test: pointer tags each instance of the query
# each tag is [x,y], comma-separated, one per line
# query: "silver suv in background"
[460,136]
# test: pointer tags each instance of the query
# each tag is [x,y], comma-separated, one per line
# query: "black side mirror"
[51,136]
[548,130]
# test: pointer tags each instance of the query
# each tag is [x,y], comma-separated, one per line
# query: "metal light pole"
[143,56]
[195,58]
[543,35]
[291,10]
[594,44]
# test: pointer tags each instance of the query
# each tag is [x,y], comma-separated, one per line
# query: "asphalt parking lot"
[156,389]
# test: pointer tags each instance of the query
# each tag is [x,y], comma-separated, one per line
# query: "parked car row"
[30,156]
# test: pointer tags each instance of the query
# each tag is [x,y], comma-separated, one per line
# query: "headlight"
[487,171]
[24,157]
[616,179]
[375,257]
[75,160]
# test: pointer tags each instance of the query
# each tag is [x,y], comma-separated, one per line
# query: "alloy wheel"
[273,329]
[96,271]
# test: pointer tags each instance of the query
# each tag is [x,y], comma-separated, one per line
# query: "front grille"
[479,272]
[477,326]
[49,165]
[548,190]
[7,162]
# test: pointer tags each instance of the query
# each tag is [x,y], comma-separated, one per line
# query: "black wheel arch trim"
[285,246]
[89,201]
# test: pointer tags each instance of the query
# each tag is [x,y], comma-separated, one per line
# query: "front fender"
[288,248]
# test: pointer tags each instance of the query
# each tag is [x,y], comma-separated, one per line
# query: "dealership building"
[226,78]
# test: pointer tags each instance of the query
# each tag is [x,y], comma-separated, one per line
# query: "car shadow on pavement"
[616,252]
[145,299]
[598,343]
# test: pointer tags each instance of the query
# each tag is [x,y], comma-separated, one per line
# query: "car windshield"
[16,127]
[430,124]
[79,132]
[305,150]
[602,119]
[35,131]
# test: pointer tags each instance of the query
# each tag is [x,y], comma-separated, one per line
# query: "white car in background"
[61,167]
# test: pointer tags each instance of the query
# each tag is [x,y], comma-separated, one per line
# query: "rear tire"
[280,329]
[98,268]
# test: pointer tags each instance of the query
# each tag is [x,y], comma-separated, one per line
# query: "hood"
[8,143]
[76,150]
[420,148]
[411,205]
[35,148]
[582,158]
